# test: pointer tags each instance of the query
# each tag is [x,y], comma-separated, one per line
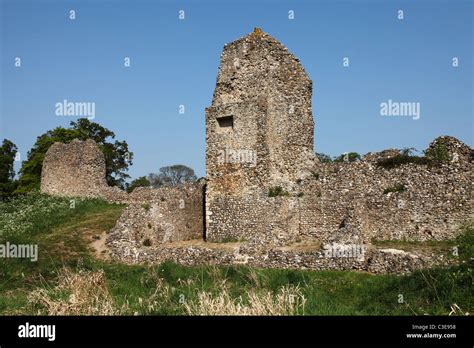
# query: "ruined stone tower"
[259,132]
[77,169]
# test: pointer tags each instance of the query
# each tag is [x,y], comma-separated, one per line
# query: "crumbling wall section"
[77,169]
[357,202]
[152,215]
[160,215]
[411,202]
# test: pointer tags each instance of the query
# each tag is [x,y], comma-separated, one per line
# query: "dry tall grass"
[288,301]
[81,293]
[86,293]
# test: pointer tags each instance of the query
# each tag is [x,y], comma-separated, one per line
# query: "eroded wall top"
[256,66]
[77,169]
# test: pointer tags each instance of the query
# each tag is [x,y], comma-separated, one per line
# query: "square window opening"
[225,123]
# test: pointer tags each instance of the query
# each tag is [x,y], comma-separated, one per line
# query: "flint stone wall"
[349,202]
[373,260]
[77,169]
[160,215]
[267,92]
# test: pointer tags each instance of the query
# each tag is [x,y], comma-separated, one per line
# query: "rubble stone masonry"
[267,200]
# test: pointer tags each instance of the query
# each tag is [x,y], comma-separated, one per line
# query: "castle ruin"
[267,201]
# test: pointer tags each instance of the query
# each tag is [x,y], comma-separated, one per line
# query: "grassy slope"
[63,233]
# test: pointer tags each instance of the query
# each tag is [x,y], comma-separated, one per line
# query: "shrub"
[438,152]
[465,243]
[348,157]
[408,151]
[396,161]
[277,191]
[323,158]
[139,182]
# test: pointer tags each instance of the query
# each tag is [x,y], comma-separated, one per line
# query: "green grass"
[55,226]
[59,231]
[458,248]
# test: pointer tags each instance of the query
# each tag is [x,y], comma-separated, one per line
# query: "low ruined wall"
[160,215]
[369,259]
[348,201]
[435,202]
[436,199]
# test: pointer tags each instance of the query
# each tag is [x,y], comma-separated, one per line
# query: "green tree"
[323,158]
[8,152]
[348,157]
[117,156]
[155,180]
[138,182]
[176,175]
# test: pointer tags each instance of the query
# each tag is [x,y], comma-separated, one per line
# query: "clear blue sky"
[175,62]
